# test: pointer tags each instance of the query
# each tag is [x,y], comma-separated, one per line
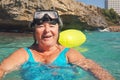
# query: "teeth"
[46,36]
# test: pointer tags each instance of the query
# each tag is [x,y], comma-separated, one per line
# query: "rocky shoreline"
[14,26]
[15,34]
[114,28]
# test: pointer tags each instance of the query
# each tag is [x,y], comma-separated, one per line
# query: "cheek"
[56,32]
[56,29]
[38,33]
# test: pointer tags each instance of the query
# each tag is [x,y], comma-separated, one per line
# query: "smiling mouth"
[46,37]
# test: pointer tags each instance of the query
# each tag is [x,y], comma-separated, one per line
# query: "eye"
[51,25]
[39,26]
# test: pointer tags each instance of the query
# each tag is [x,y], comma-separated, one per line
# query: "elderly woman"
[39,61]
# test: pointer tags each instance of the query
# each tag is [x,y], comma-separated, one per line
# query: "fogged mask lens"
[51,13]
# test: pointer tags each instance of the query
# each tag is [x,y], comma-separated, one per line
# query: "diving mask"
[50,16]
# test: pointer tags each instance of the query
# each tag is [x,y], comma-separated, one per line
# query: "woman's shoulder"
[21,53]
[74,55]
[20,49]
[73,51]
[15,59]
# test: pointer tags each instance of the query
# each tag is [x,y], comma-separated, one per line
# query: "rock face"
[20,12]
[114,28]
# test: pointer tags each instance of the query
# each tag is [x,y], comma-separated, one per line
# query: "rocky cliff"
[18,13]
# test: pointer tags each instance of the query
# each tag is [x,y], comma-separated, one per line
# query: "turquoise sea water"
[102,47]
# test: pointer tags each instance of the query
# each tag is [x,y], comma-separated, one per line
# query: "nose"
[47,28]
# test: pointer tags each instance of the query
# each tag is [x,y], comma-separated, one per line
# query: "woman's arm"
[95,69]
[13,62]
[2,72]
[78,59]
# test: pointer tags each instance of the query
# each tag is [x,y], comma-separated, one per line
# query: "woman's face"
[47,34]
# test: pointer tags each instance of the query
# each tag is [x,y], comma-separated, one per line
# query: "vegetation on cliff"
[111,16]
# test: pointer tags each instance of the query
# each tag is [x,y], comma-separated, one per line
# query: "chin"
[48,43]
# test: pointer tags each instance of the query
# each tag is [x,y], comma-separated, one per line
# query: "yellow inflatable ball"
[72,38]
